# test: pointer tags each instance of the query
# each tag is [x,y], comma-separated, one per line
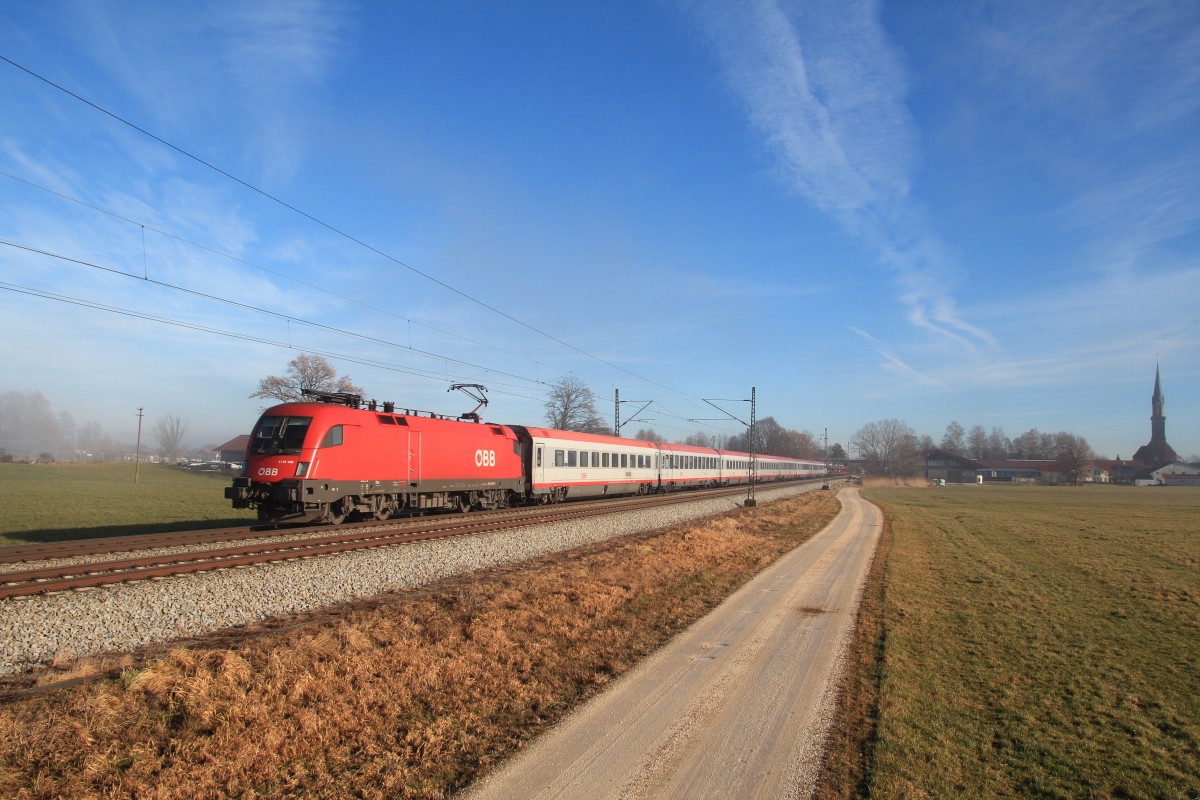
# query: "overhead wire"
[146,227]
[256,309]
[330,227]
[26,290]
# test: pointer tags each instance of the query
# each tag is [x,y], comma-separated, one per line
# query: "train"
[332,456]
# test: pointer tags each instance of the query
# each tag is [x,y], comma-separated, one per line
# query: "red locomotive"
[335,455]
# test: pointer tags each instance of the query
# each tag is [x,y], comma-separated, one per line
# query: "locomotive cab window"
[333,438]
[280,435]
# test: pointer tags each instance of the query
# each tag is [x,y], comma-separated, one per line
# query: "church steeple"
[1158,420]
[1157,453]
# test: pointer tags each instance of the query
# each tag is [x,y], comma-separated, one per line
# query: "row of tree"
[893,449]
[29,426]
[978,444]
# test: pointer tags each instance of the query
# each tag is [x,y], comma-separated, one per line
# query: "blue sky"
[986,213]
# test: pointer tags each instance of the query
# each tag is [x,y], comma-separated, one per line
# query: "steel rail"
[87,575]
[73,548]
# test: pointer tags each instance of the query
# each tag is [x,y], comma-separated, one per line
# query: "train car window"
[333,438]
[572,458]
[604,459]
[624,460]
[558,458]
[280,435]
[539,456]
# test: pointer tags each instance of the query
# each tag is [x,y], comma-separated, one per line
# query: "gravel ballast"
[44,629]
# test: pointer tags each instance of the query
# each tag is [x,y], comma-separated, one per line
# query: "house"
[941,465]
[233,450]
[1024,471]
[1177,474]
[1115,470]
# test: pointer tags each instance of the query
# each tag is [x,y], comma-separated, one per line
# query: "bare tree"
[572,407]
[1034,445]
[889,447]
[699,439]
[169,431]
[92,437]
[998,445]
[977,443]
[953,440]
[305,372]
[1074,453]
[649,435]
[28,423]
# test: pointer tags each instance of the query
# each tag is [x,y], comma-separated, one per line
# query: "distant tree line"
[892,449]
[29,427]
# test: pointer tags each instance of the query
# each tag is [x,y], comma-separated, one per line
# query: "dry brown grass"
[877,482]
[413,698]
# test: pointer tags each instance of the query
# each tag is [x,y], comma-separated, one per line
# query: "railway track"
[348,538]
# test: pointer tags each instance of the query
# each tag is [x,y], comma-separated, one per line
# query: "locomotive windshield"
[280,436]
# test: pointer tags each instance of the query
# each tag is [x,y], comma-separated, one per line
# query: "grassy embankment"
[410,698]
[1028,642]
[51,502]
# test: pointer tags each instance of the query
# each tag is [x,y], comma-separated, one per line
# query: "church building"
[1157,453]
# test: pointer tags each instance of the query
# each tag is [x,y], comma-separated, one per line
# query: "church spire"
[1157,402]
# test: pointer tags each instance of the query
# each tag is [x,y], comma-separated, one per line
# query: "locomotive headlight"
[301,469]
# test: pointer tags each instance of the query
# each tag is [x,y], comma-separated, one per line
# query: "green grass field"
[1039,642]
[50,502]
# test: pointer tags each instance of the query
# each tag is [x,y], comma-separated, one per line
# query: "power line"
[26,290]
[256,309]
[327,225]
[145,227]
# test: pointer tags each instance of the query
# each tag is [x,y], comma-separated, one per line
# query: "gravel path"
[40,630]
[736,706]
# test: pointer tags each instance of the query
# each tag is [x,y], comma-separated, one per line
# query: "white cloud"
[826,89]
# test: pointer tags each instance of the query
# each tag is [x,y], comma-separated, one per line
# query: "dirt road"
[734,707]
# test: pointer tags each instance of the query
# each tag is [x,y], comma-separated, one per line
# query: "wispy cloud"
[826,89]
[895,364]
[253,63]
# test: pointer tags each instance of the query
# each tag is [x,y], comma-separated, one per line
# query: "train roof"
[590,438]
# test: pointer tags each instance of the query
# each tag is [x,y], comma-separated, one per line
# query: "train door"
[414,458]
[539,464]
